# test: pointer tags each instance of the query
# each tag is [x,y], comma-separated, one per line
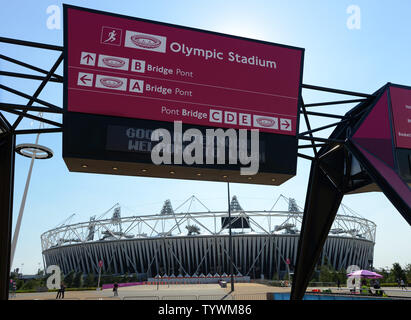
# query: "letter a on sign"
[136,86]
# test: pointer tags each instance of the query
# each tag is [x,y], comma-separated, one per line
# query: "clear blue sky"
[353,59]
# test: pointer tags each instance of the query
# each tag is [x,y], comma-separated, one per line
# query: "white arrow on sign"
[285,124]
[85,79]
[88,58]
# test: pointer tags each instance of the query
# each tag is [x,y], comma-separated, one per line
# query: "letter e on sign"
[244,119]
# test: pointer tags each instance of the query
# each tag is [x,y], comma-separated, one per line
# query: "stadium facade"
[192,244]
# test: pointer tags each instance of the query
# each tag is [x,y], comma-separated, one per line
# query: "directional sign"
[188,75]
[401,111]
[126,77]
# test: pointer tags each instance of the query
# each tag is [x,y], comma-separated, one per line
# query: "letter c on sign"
[216,116]
[53,282]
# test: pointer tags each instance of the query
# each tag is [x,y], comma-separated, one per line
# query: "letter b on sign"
[53,282]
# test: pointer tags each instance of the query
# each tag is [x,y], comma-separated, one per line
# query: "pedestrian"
[115,289]
[338,283]
[353,285]
[377,287]
[403,287]
[60,292]
[14,288]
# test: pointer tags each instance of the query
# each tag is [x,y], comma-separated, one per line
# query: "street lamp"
[33,151]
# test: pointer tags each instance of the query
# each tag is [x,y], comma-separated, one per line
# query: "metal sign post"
[7,144]
[100,264]
[230,239]
[33,151]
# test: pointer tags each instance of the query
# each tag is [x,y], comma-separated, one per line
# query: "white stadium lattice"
[190,243]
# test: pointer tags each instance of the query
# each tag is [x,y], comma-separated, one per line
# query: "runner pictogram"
[110,35]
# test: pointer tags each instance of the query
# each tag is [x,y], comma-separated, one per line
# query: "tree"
[19,284]
[133,277]
[68,279]
[77,280]
[31,284]
[90,281]
[124,278]
[407,271]
[107,278]
[326,274]
[397,272]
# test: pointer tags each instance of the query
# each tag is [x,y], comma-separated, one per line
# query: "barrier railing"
[183,297]
[215,297]
[141,298]
[250,296]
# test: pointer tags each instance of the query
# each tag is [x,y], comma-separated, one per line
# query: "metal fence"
[249,296]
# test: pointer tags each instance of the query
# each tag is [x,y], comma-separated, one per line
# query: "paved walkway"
[243,291]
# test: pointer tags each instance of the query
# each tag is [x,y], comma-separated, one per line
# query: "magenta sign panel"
[401,111]
[133,68]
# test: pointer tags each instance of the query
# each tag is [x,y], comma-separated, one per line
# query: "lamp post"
[33,151]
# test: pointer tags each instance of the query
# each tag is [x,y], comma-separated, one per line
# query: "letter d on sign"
[53,282]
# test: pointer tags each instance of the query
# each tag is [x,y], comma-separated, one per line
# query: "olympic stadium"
[196,244]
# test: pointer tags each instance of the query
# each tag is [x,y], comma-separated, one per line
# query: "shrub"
[90,280]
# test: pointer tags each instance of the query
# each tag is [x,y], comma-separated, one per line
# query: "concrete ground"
[243,291]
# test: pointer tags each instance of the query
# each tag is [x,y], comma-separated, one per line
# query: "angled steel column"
[7,144]
[324,195]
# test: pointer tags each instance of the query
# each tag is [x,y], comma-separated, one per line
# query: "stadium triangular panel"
[374,133]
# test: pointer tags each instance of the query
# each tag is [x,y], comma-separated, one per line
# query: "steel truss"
[160,244]
[9,130]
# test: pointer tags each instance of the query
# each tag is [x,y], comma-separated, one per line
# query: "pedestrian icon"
[111,36]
